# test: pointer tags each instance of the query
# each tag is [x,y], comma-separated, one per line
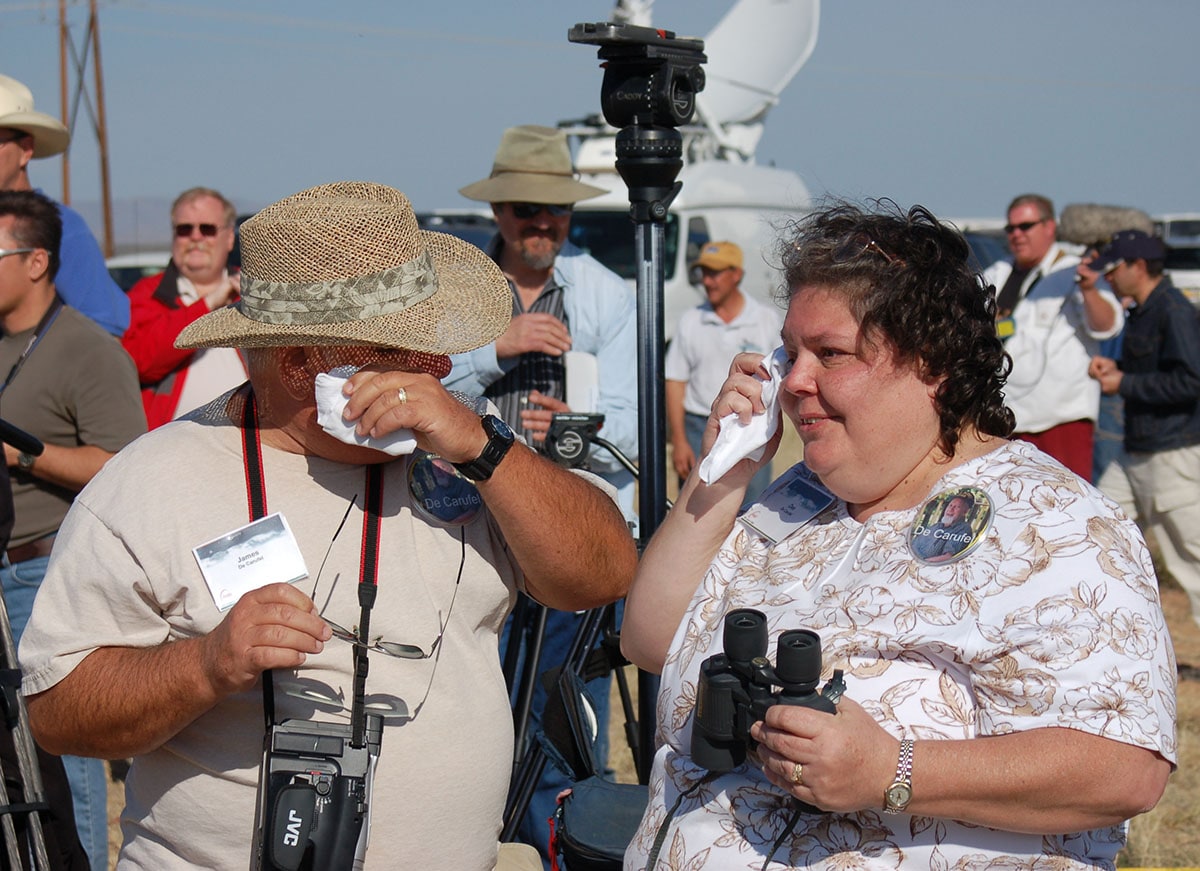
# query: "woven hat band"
[339,300]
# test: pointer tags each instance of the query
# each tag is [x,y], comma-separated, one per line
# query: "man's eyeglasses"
[5,252]
[395,648]
[15,137]
[183,231]
[1024,226]
[525,211]
[391,648]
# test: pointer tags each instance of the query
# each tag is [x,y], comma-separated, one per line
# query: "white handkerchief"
[330,405]
[736,441]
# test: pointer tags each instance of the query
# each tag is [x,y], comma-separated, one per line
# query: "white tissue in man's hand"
[738,441]
[330,406]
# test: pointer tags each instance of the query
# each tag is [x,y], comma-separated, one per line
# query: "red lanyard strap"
[368,574]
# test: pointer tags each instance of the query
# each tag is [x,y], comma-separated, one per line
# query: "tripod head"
[651,78]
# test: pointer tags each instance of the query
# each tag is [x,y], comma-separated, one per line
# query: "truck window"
[608,236]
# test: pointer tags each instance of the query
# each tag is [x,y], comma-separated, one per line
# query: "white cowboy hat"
[532,165]
[50,137]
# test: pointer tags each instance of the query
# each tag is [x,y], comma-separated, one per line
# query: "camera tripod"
[568,722]
[651,79]
[33,801]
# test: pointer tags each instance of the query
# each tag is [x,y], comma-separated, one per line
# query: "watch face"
[501,428]
[898,795]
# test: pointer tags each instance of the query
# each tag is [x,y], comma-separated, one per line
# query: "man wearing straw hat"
[152,634]
[562,300]
[83,280]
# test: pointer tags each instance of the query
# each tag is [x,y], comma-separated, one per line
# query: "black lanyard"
[368,573]
[39,333]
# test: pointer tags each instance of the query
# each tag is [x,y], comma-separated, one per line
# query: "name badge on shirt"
[786,505]
[261,552]
[950,525]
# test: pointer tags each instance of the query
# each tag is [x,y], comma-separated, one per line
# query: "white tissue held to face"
[331,404]
[737,441]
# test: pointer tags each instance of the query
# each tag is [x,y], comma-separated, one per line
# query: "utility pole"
[96,114]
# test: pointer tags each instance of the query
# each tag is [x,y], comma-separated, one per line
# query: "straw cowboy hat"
[346,264]
[50,137]
[532,165]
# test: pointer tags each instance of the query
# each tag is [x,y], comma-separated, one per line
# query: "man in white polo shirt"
[708,337]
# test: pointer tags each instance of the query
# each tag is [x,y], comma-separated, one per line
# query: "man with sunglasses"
[82,280]
[1051,324]
[1159,378]
[563,300]
[196,281]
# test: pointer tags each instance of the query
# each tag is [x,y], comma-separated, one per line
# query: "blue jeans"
[89,789]
[561,627]
[1109,444]
[693,428]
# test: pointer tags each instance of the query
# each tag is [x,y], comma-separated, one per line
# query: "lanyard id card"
[262,552]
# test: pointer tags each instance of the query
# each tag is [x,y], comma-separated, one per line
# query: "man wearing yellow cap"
[708,337]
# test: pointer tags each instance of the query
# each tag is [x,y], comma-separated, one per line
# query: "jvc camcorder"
[737,687]
[314,795]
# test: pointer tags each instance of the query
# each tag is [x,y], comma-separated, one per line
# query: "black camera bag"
[595,822]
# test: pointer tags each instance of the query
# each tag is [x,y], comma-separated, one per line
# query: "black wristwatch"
[500,439]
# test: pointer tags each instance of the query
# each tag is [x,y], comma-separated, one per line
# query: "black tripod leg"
[529,770]
[532,641]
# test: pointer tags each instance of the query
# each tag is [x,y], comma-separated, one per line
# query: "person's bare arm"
[1045,780]
[685,544]
[569,538]
[62,466]
[122,701]
[682,455]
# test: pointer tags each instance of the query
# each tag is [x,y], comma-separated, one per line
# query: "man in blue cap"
[1159,378]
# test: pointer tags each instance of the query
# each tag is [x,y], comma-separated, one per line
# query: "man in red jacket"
[196,281]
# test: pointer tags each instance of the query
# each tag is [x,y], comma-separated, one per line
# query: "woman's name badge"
[439,492]
[786,505]
[252,556]
[950,525]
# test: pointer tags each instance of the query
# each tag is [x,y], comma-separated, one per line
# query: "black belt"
[31,549]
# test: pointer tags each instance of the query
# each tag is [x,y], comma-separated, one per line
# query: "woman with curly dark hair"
[997,619]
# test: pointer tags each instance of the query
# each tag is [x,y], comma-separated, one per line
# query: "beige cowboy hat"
[50,137]
[346,264]
[532,165]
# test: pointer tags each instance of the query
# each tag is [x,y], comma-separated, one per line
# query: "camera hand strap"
[368,576]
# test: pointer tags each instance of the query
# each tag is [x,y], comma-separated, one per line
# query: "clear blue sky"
[957,105]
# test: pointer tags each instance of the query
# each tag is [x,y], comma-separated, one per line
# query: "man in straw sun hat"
[563,300]
[164,608]
[83,280]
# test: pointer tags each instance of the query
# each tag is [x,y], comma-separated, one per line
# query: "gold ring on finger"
[797,775]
